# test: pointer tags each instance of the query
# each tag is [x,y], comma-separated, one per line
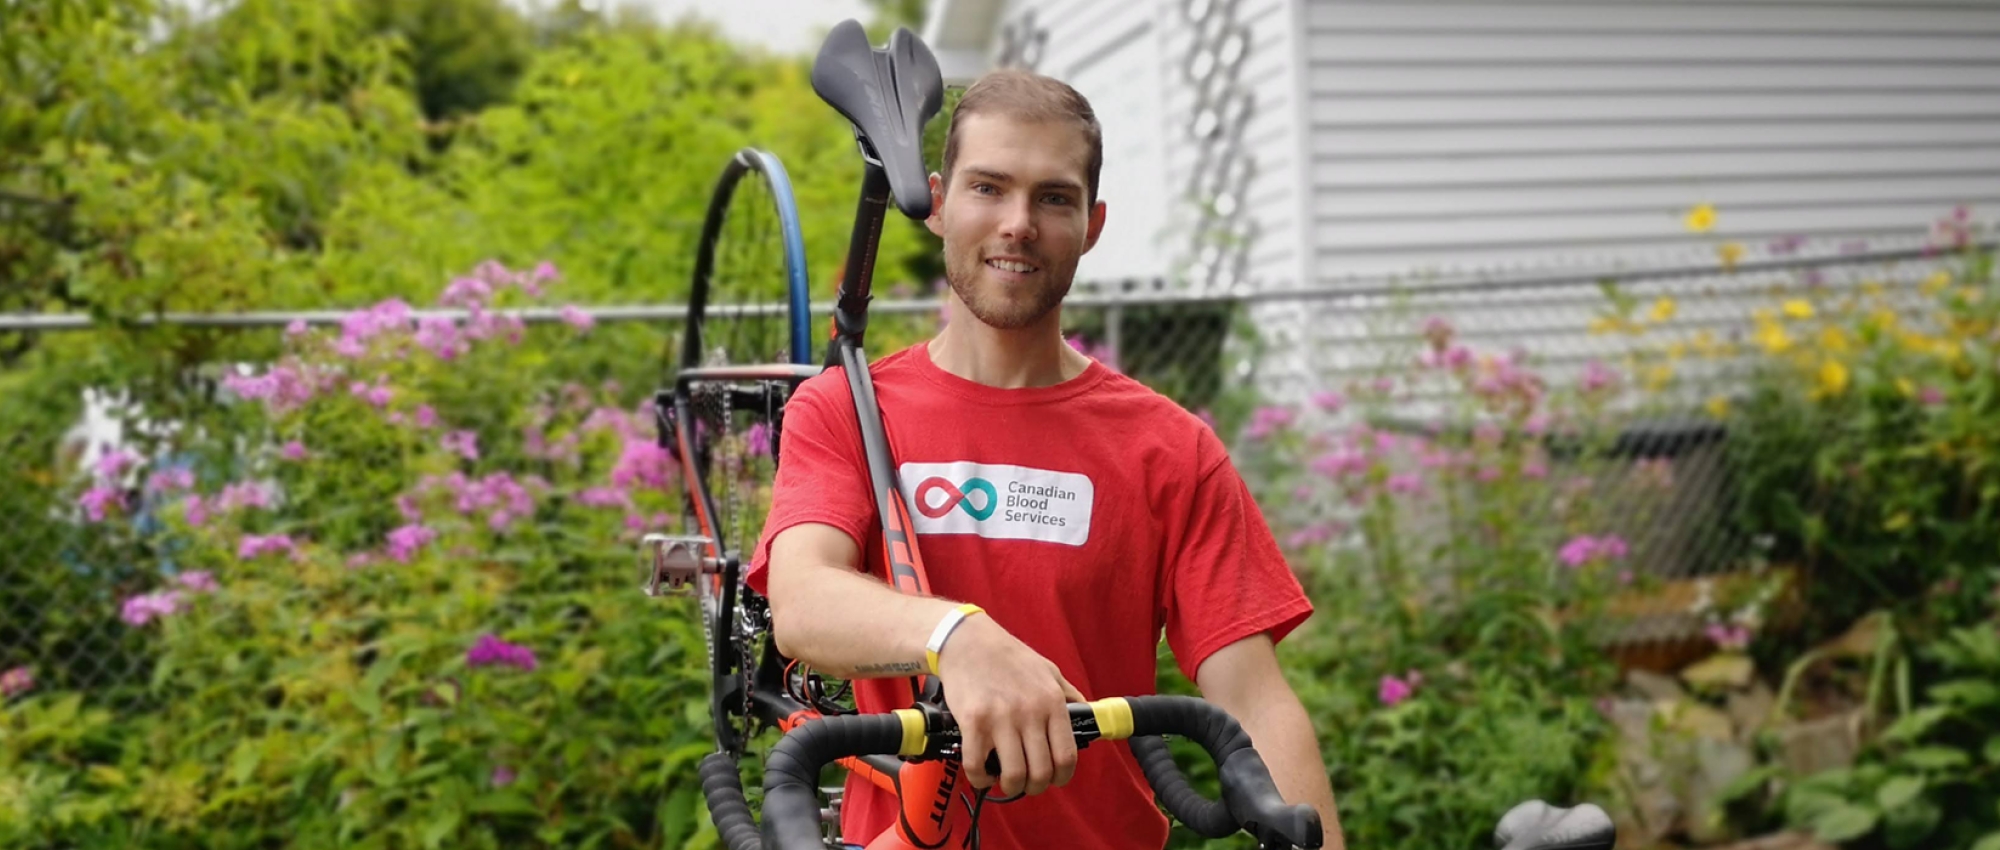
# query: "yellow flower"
[1798,308]
[1701,219]
[1898,522]
[1833,377]
[1677,350]
[1663,309]
[1772,337]
[1937,282]
[1730,252]
[1833,340]
[1657,376]
[1718,406]
[1605,324]
[1908,389]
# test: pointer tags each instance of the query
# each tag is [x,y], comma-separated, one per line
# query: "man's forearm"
[851,626]
[1283,735]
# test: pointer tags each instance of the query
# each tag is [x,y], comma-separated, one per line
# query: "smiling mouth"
[1012,266]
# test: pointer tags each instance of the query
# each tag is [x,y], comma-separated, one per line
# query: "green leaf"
[1743,785]
[505,802]
[1912,726]
[1993,750]
[243,763]
[1969,692]
[1935,758]
[1990,842]
[1908,826]
[1898,791]
[1845,823]
[443,822]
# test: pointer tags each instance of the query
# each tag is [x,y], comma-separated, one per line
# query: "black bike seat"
[889,95]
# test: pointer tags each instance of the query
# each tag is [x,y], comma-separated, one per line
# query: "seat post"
[850,308]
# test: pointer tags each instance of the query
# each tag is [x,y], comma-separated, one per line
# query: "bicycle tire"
[748,305]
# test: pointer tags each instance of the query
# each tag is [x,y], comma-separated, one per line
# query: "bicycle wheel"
[747,308]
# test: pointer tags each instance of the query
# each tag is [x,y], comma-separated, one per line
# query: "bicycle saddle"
[889,95]
[1535,825]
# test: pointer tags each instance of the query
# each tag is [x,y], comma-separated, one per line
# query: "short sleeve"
[1226,579]
[822,472]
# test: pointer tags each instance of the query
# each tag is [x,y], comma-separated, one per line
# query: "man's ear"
[934,220]
[1096,226]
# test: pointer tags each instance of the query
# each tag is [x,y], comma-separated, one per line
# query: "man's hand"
[1009,700]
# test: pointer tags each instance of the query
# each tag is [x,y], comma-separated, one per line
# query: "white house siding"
[1485,141]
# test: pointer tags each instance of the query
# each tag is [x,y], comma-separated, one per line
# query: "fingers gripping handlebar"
[791,805]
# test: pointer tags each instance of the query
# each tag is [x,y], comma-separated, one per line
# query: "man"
[1084,513]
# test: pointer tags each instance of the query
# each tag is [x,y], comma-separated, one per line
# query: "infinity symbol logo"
[957,498]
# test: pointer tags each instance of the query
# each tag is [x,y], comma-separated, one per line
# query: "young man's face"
[1015,217]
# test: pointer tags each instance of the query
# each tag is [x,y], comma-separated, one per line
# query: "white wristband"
[944,629]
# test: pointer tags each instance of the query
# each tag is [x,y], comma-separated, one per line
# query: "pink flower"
[98,499]
[1536,425]
[406,540]
[199,581]
[643,463]
[1438,331]
[253,546]
[575,317]
[114,463]
[426,417]
[603,497]
[143,609]
[439,335]
[1267,421]
[1728,637]
[243,494]
[1329,401]
[489,650]
[1207,418]
[197,511]
[465,443]
[16,682]
[757,441]
[296,328]
[169,480]
[1394,690]
[1311,535]
[294,450]
[503,776]
[1931,396]
[1584,548]
[1596,376]
[1406,483]
[1341,462]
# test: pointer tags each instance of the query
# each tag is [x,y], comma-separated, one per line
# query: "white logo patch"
[998,501]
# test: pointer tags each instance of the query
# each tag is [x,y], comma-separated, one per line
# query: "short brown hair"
[1027,96]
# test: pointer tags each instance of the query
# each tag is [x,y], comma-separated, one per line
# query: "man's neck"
[1033,356]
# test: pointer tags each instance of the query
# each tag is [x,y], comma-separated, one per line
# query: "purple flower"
[296,328]
[603,497]
[758,440]
[490,650]
[1329,401]
[1394,690]
[1931,396]
[114,463]
[503,776]
[243,494]
[199,581]
[1207,418]
[439,335]
[426,417]
[1341,462]
[1406,483]
[253,546]
[1268,420]
[575,317]
[1728,637]
[406,540]
[293,450]
[142,609]
[169,480]
[1584,548]
[644,463]
[16,682]
[1596,376]
[197,510]
[465,443]
[1311,535]
[97,499]
[466,292]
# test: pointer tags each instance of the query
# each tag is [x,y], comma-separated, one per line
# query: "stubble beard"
[1001,307]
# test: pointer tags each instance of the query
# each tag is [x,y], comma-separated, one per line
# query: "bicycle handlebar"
[791,804]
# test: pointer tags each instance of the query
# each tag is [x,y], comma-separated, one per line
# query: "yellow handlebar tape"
[1114,718]
[913,732]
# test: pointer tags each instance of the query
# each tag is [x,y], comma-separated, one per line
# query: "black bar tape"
[1208,818]
[791,772]
[1249,795]
[722,785]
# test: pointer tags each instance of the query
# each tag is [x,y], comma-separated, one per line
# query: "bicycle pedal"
[675,562]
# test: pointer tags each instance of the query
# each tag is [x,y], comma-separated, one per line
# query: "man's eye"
[984,188]
[1056,199]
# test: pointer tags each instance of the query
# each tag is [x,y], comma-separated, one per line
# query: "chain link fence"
[1247,362]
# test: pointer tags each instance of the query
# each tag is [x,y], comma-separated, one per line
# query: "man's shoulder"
[1158,419]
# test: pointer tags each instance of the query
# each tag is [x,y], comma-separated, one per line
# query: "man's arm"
[1006,698]
[1244,679]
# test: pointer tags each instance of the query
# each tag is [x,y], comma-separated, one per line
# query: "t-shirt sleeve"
[1226,578]
[822,472]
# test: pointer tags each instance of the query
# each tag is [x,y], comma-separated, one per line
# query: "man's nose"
[1017,221]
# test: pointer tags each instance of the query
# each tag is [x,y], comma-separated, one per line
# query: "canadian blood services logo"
[999,501]
[957,496]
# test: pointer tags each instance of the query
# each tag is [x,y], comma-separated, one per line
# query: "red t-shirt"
[1094,513]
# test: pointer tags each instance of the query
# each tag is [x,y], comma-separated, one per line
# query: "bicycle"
[722,419]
